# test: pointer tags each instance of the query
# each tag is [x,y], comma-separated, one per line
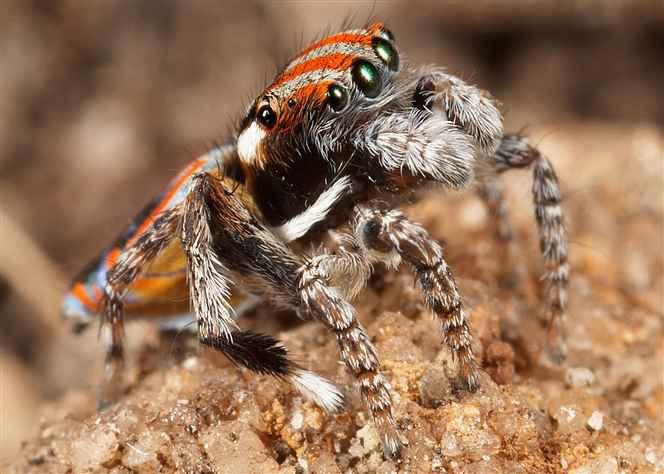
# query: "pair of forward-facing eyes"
[364,73]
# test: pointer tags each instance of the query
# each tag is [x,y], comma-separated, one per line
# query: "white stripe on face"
[249,142]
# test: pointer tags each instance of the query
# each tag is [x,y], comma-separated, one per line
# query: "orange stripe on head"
[309,94]
[336,61]
[312,93]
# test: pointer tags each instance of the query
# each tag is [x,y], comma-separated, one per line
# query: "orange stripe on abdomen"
[78,290]
[112,257]
[190,170]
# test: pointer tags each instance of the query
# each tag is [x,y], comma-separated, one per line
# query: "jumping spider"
[339,137]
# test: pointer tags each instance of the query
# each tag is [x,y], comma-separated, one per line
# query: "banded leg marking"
[391,231]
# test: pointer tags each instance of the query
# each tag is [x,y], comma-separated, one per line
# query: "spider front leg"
[270,269]
[209,286]
[327,305]
[327,280]
[472,109]
[475,112]
[389,232]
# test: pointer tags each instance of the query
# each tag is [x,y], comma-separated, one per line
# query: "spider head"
[330,89]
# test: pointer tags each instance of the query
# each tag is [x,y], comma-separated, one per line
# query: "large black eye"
[367,78]
[386,52]
[266,116]
[337,96]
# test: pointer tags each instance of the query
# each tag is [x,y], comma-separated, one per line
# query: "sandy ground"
[102,102]
[601,412]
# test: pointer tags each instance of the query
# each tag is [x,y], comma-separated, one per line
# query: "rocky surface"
[600,412]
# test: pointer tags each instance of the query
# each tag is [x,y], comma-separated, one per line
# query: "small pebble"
[435,387]
[473,215]
[570,413]
[602,465]
[563,463]
[579,377]
[596,421]
[651,456]
[190,363]
[297,421]
[369,436]
[92,450]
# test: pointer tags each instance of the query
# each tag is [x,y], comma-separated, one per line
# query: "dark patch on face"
[283,191]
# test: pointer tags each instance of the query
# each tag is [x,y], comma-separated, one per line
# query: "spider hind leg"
[132,261]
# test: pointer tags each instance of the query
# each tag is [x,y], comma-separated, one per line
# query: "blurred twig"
[30,272]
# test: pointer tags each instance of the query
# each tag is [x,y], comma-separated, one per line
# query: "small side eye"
[386,34]
[366,77]
[266,116]
[386,52]
[337,96]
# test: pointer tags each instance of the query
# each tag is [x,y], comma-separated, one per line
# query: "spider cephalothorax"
[346,125]
[346,106]
[300,130]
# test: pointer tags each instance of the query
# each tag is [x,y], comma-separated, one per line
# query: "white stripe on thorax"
[299,225]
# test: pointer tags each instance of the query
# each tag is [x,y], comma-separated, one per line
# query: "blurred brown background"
[102,101]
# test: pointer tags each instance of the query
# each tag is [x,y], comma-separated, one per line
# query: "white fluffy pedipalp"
[422,145]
